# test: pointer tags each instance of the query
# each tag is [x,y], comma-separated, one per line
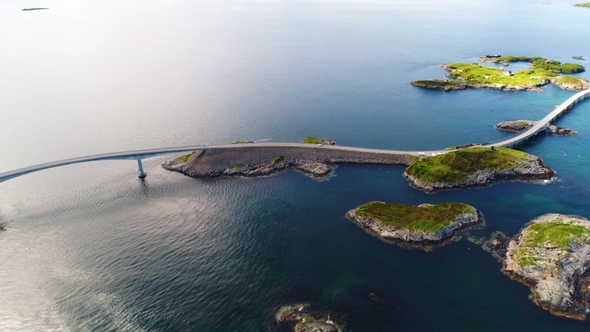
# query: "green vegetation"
[240,142]
[238,166]
[277,159]
[524,123]
[558,67]
[568,80]
[456,166]
[184,158]
[512,58]
[542,63]
[583,4]
[554,233]
[312,140]
[428,218]
[488,75]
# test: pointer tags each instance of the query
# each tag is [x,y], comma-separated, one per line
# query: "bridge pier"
[140,169]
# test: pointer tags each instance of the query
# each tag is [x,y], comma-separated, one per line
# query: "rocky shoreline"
[416,238]
[581,85]
[301,319]
[532,169]
[457,85]
[551,256]
[262,161]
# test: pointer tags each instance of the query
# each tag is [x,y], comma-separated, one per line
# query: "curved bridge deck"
[141,154]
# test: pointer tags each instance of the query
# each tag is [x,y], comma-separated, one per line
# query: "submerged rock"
[497,245]
[551,256]
[423,226]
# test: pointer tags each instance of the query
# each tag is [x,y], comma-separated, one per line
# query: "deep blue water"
[90,247]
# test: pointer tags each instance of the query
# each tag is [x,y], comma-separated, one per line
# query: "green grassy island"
[420,226]
[466,75]
[475,167]
[550,256]
[429,218]
[583,4]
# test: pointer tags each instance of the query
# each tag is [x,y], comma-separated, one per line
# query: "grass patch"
[583,4]
[568,80]
[277,159]
[526,257]
[239,142]
[456,166]
[238,166]
[430,219]
[554,233]
[487,75]
[184,158]
[312,140]
[512,58]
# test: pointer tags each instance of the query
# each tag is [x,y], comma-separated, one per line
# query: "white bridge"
[141,154]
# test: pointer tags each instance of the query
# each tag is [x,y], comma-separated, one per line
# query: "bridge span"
[138,155]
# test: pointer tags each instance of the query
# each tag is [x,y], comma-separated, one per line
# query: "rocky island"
[551,256]
[260,161]
[543,71]
[301,319]
[475,167]
[423,226]
[519,125]
[583,4]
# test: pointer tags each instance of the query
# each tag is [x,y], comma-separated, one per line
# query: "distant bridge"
[138,155]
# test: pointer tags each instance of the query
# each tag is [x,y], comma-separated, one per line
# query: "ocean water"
[90,247]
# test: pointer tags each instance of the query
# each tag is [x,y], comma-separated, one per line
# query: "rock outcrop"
[497,245]
[519,125]
[571,85]
[551,256]
[301,320]
[532,168]
[249,161]
[514,126]
[414,237]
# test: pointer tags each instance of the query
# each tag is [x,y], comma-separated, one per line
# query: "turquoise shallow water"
[90,247]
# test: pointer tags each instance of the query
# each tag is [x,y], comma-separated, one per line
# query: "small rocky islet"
[424,226]
[516,126]
[551,256]
[299,317]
